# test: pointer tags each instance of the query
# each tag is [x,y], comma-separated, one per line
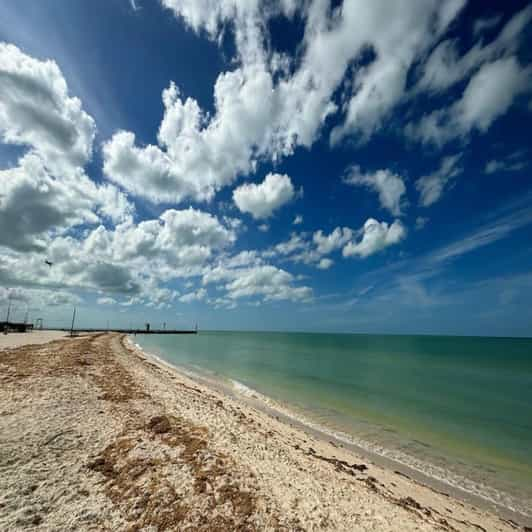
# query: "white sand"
[15,339]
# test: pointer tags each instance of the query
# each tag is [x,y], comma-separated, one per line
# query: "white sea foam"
[244,390]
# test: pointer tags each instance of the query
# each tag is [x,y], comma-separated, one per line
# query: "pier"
[126,331]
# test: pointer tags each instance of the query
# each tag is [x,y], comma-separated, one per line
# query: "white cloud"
[198,295]
[325,263]
[269,282]
[371,238]
[298,220]
[269,105]
[48,192]
[176,244]
[325,244]
[487,23]
[264,228]
[375,237]
[106,301]
[446,66]
[488,96]
[262,199]
[491,92]
[512,163]
[266,107]
[124,259]
[389,186]
[195,155]
[432,186]
[25,302]
[382,26]
[251,278]
[37,111]
[421,222]
[131,260]
[14,294]
[294,243]
[35,204]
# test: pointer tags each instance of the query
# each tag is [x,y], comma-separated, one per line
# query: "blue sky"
[289,165]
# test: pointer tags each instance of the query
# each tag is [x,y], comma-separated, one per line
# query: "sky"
[301,165]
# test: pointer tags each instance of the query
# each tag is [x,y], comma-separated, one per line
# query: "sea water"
[457,408]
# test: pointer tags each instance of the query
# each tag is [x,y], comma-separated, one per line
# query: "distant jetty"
[147,330]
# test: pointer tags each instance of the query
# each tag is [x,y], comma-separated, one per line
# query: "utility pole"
[8,309]
[73,319]
[7,318]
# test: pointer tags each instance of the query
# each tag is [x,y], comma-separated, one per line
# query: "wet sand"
[96,435]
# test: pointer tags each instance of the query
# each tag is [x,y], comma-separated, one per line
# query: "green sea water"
[458,405]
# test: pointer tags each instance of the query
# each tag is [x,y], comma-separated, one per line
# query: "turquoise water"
[463,404]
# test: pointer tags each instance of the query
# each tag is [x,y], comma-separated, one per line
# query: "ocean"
[455,408]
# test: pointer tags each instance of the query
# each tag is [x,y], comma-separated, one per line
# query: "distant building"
[11,326]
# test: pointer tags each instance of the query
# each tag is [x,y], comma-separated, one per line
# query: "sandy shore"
[94,435]
[13,339]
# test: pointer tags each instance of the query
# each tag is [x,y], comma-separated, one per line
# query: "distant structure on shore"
[11,326]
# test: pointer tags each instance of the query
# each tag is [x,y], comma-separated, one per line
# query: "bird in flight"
[48,262]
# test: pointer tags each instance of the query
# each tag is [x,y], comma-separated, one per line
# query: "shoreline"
[287,415]
[96,434]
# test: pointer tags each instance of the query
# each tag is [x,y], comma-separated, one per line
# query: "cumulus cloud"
[268,106]
[247,276]
[198,295]
[432,186]
[375,236]
[269,282]
[25,302]
[195,156]
[314,249]
[272,103]
[261,200]
[389,186]
[325,263]
[48,191]
[129,260]
[298,220]
[294,243]
[47,195]
[35,204]
[37,111]
[325,244]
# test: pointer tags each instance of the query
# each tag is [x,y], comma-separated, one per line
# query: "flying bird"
[48,262]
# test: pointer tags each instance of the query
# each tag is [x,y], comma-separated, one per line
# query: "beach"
[96,434]
[15,339]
